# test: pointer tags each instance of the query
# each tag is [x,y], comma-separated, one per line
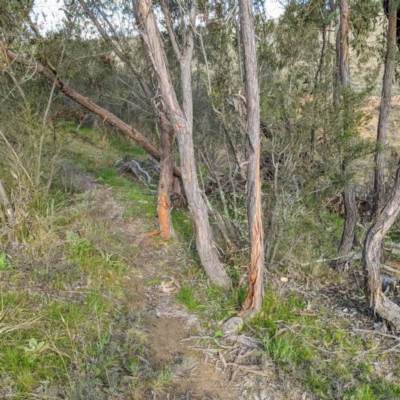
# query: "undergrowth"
[306,340]
[68,327]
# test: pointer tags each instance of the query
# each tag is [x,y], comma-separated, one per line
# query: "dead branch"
[107,116]
[7,204]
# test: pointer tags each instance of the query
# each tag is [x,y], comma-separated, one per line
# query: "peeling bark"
[253,300]
[164,206]
[372,254]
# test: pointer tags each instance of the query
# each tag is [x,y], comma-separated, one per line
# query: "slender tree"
[349,198]
[53,76]
[182,122]
[253,301]
[385,218]
[379,182]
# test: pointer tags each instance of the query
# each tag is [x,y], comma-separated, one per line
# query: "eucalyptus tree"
[253,301]
[388,209]
[349,197]
[181,117]
[384,109]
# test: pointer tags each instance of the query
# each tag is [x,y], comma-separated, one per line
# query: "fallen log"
[85,102]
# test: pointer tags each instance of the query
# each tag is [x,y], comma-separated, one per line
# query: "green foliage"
[80,339]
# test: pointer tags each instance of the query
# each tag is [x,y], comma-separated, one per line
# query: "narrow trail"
[165,324]
[201,370]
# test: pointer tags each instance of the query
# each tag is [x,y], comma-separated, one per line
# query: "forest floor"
[98,306]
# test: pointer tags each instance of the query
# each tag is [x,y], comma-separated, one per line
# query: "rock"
[378,326]
[232,325]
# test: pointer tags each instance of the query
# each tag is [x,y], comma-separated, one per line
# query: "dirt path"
[165,324]
[200,368]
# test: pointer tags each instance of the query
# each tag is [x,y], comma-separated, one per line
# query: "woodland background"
[142,170]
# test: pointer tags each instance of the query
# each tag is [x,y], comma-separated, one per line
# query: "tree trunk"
[182,125]
[165,185]
[85,102]
[350,224]
[344,44]
[379,182]
[372,254]
[253,301]
[349,198]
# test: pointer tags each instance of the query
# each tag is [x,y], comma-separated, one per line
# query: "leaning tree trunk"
[253,301]
[379,182]
[182,125]
[372,255]
[348,194]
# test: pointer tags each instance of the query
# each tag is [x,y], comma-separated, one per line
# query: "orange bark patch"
[152,234]
[164,220]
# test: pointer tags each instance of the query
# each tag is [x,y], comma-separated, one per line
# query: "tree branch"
[91,106]
[175,45]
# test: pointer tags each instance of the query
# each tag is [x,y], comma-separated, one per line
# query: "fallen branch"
[131,165]
[350,256]
[389,269]
[85,102]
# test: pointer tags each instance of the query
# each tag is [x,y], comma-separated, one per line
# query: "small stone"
[378,326]
[232,325]
[284,279]
[346,310]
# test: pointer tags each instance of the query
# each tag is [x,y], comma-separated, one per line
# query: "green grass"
[126,146]
[186,296]
[183,224]
[73,333]
[322,356]
[141,202]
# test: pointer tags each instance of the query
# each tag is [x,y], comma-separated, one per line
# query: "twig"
[301,337]
[387,268]
[378,333]
[249,369]
[322,260]
[392,348]
[196,337]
